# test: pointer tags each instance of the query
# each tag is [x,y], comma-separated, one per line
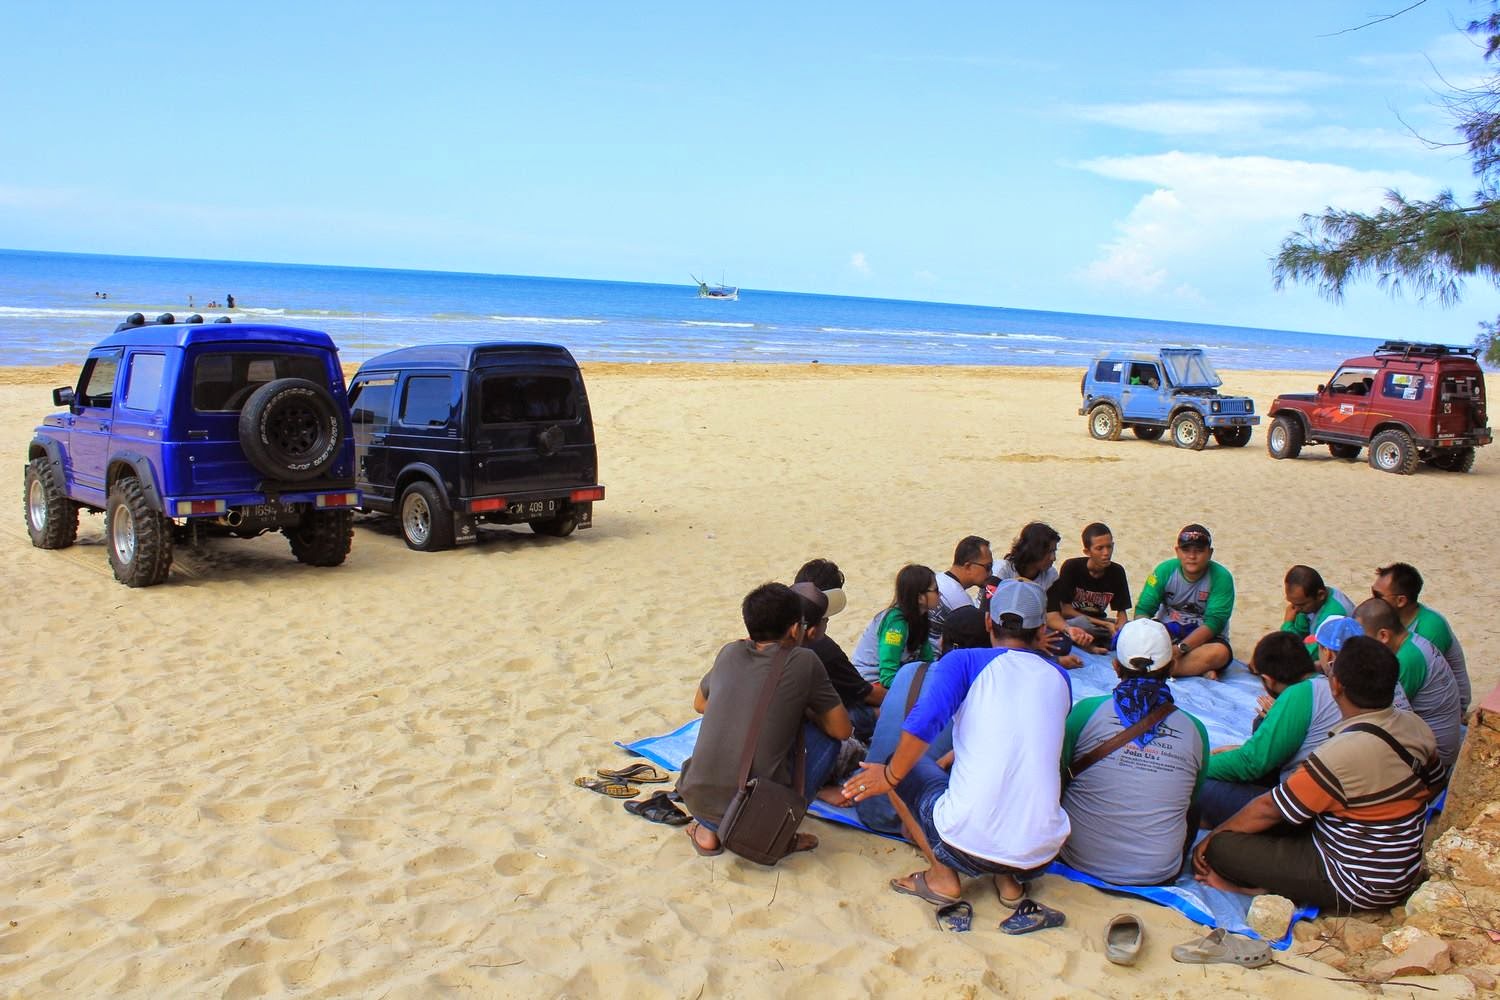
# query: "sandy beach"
[265,779]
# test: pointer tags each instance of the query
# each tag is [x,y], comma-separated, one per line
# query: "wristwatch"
[1182,647]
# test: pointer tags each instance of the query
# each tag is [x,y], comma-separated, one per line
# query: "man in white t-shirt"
[997,812]
[972,564]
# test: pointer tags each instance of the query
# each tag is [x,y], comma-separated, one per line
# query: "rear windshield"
[222,382]
[515,399]
[1463,387]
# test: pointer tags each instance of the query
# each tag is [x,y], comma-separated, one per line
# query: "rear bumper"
[216,505]
[1473,439]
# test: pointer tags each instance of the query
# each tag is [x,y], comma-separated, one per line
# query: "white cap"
[1143,645]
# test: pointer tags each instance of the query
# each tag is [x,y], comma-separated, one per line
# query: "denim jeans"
[920,790]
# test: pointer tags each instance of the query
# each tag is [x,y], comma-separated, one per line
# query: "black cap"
[1195,536]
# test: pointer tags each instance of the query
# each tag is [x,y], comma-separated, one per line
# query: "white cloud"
[1207,216]
[1232,116]
[1252,80]
[859,263]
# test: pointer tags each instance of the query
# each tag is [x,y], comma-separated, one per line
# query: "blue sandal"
[1032,916]
[956,917]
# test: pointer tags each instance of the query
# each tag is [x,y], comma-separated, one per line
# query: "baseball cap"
[836,601]
[1143,645]
[1195,536]
[814,602]
[1020,599]
[964,629]
[1336,630]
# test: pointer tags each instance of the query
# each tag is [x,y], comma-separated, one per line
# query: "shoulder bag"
[760,824]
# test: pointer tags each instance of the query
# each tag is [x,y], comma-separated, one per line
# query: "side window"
[143,384]
[513,399]
[427,401]
[1353,381]
[1144,374]
[98,380]
[1108,371]
[370,401]
[1402,385]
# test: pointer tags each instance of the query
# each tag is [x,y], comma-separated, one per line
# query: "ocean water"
[50,314]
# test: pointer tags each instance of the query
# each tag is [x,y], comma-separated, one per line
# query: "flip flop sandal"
[658,809]
[1032,916]
[803,842]
[921,890]
[1217,946]
[643,773]
[956,917]
[1010,904]
[605,787]
[703,852]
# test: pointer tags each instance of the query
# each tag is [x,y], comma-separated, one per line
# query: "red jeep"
[1406,402]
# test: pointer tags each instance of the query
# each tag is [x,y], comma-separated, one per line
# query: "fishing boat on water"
[719,291]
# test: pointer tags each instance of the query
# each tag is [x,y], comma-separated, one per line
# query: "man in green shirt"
[1299,711]
[1425,676]
[1309,603]
[1399,585]
[1193,596]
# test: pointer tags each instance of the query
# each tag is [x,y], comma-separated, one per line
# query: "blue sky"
[1127,159]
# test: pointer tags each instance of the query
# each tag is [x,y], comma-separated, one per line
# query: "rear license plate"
[534,507]
[269,511]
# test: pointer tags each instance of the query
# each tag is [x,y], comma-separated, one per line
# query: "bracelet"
[892,781]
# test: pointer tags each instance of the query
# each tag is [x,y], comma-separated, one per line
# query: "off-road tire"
[1349,452]
[1148,433]
[139,539]
[1454,460]
[291,429]
[426,522]
[1104,423]
[1188,431]
[556,527]
[1284,437]
[1394,451]
[51,518]
[323,538]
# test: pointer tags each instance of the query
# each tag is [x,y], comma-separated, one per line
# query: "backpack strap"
[778,663]
[915,691]
[1148,721]
[1390,741]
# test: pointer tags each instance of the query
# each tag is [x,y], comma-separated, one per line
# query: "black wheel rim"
[294,430]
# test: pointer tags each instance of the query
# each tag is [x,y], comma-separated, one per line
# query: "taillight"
[593,493]
[336,500]
[488,503]
[186,508]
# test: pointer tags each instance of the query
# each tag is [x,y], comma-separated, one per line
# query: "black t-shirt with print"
[1092,595]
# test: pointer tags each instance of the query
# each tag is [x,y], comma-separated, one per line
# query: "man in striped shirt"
[1364,792]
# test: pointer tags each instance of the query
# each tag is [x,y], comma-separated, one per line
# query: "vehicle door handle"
[104,425]
[377,439]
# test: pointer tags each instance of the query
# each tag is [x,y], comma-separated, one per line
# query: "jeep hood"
[1188,368]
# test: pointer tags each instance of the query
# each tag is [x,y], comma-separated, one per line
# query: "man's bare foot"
[834,796]
[1216,881]
[1010,891]
[704,840]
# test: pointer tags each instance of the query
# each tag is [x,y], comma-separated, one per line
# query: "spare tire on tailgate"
[291,429]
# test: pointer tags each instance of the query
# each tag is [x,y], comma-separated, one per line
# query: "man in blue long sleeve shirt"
[997,812]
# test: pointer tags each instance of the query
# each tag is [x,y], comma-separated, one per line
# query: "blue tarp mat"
[1225,708]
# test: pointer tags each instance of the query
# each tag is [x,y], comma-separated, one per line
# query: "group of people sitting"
[954,723]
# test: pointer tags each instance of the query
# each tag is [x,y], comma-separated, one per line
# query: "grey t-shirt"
[710,777]
[1129,810]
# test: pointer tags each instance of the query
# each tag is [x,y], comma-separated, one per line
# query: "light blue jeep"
[1173,389]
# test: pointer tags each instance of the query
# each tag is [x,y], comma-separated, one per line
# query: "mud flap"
[584,512]
[464,532]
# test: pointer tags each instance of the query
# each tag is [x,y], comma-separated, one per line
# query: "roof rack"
[1410,349]
[165,319]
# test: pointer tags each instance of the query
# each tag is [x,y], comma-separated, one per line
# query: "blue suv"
[1174,389]
[182,430]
